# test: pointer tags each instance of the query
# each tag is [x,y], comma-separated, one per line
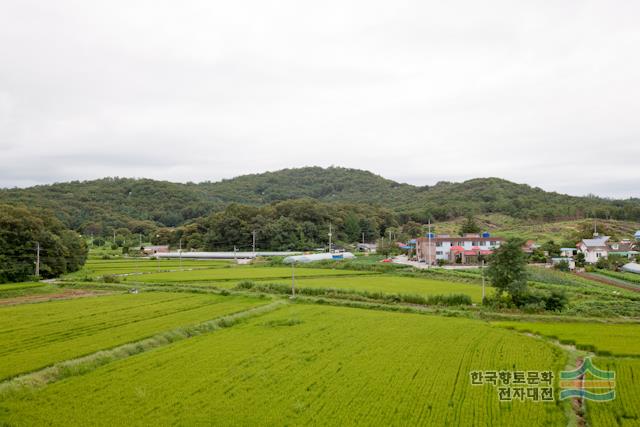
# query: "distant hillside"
[141,204]
[559,231]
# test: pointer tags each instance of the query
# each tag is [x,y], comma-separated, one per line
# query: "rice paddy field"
[236,273]
[244,358]
[37,335]
[624,410]
[391,284]
[99,267]
[304,364]
[616,339]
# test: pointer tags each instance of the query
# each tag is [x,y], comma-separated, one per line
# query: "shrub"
[110,278]
[562,266]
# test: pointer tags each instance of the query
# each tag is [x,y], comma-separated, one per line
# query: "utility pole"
[363,240]
[180,252]
[140,237]
[429,245]
[114,237]
[254,241]
[37,259]
[235,257]
[330,246]
[482,271]
[293,279]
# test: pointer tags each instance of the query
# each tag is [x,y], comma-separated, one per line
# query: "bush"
[562,266]
[530,302]
[111,278]
[557,301]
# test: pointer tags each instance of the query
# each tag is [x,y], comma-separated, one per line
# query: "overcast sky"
[541,92]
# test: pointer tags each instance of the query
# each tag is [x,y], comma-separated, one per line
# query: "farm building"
[220,255]
[367,247]
[317,257]
[157,249]
[466,249]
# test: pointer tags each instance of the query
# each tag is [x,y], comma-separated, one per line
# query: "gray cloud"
[544,92]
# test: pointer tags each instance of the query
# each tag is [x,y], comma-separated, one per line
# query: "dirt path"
[63,294]
[608,281]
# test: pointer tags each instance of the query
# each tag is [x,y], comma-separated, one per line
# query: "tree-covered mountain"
[141,205]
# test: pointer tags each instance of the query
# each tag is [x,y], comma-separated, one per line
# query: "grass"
[603,338]
[236,273]
[389,284]
[37,335]
[305,364]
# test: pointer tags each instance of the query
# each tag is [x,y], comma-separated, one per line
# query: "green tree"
[21,229]
[469,226]
[507,268]
[352,228]
[551,248]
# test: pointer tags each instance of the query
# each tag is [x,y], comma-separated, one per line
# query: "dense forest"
[300,224]
[146,207]
[21,230]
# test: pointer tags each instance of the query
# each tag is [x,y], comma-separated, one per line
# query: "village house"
[602,247]
[456,250]
[594,249]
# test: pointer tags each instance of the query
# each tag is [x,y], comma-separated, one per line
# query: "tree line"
[22,230]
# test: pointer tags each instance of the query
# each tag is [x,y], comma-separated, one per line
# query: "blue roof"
[637,233]
[414,240]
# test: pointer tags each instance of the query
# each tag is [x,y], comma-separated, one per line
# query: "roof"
[620,246]
[567,249]
[462,239]
[600,242]
[637,233]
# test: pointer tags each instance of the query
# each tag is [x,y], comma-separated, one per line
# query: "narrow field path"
[609,281]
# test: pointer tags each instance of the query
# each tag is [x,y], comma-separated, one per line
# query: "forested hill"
[143,203]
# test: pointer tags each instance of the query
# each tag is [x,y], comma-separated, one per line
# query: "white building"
[594,249]
[465,249]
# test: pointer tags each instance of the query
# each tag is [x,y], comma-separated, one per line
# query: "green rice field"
[94,268]
[394,285]
[617,339]
[37,335]
[624,410]
[305,364]
[237,273]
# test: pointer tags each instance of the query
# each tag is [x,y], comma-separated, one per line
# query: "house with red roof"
[466,249]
